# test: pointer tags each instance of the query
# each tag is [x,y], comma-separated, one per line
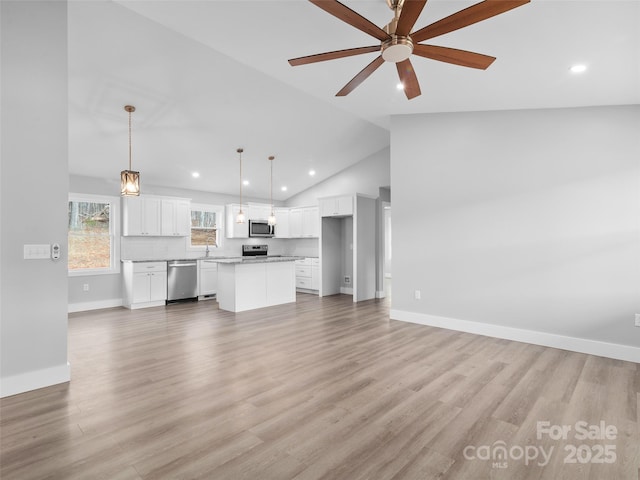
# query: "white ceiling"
[209,76]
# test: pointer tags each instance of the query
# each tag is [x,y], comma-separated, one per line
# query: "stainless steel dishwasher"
[182,280]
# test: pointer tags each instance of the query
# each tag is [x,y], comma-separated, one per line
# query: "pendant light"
[240,216]
[129,180]
[272,217]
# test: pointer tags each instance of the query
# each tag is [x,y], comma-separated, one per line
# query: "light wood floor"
[320,389]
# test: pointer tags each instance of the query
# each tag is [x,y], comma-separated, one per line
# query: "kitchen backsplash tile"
[142,248]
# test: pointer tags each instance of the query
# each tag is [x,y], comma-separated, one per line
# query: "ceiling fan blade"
[354,19]
[411,10]
[468,16]
[360,77]
[321,57]
[408,79]
[453,55]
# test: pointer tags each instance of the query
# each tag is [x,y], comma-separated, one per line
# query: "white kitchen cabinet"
[233,229]
[207,278]
[246,286]
[336,206]
[315,274]
[310,222]
[282,223]
[295,223]
[142,216]
[176,217]
[307,274]
[258,211]
[304,222]
[145,284]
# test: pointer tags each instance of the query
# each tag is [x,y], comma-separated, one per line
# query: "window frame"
[114,234]
[219,211]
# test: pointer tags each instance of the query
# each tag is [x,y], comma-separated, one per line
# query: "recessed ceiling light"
[578,68]
[312,172]
[400,86]
[195,174]
[284,189]
[245,182]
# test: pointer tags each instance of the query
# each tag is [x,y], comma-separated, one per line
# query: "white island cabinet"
[248,284]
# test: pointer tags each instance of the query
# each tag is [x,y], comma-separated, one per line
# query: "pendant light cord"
[129,139]
[240,150]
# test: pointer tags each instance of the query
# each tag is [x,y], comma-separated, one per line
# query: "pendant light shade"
[272,218]
[129,180]
[240,216]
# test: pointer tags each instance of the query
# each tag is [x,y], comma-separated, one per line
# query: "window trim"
[219,211]
[114,233]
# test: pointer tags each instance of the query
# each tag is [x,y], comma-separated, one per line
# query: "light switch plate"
[36,252]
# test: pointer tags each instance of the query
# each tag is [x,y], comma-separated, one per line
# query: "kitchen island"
[246,283]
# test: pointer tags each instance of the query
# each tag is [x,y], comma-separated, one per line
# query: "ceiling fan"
[397,42]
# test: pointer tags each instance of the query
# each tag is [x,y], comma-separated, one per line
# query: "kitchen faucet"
[206,251]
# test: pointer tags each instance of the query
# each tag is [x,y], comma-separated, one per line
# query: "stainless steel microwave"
[261,228]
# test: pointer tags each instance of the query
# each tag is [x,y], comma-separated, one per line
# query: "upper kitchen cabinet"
[336,206]
[176,217]
[141,216]
[310,222]
[148,215]
[233,229]
[282,222]
[304,222]
[257,212]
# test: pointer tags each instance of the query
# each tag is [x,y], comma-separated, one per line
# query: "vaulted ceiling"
[209,76]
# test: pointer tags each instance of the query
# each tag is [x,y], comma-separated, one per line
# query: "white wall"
[33,198]
[366,177]
[512,223]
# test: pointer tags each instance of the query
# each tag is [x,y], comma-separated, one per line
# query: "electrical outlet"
[637,319]
[85,287]
[347,279]
[417,294]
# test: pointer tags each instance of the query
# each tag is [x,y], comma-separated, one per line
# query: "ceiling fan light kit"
[397,49]
[398,42]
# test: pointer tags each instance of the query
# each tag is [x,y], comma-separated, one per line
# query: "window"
[93,223]
[206,226]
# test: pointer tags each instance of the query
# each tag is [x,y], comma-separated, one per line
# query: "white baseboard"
[346,290]
[85,306]
[33,380]
[574,344]
[380,294]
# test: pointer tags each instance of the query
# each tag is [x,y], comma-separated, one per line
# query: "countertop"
[257,259]
[226,260]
